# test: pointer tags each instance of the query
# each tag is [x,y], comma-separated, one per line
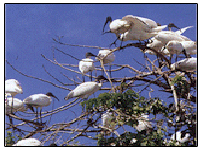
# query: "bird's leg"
[102,72]
[12,105]
[187,56]
[91,75]
[40,116]
[37,120]
[176,58]
[121,42]
[171,57]
[83,78]
[110,70]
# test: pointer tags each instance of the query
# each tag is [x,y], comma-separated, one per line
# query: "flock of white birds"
[128,28]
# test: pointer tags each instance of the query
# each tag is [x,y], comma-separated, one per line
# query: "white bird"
[188,64]
[39,100]
[109,57]
[28,142]
[12,87]
[141,28]
[117,26]
[143,123]
[166,36]
[134,28]
[107,120]
[155,45]
[85,89]
[179,138]
[86,65]
[17,105]
[177,47]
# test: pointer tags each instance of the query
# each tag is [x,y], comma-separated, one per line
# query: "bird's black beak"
[56,98]
[173,25]
[108,19]
[90,54]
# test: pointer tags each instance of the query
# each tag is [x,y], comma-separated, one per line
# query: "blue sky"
[31,27]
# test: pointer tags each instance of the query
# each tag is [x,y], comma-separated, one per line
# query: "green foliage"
[129,105]
[10,138]
[182,87]
[154,138]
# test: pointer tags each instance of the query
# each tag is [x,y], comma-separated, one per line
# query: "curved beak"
[56,98]
[108,19]
[172,25]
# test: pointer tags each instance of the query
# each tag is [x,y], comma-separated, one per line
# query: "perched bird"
[143,123]
[28,142]
[117,26]
[107,120]
[109,57]
[85,89]
[179,138]
[177,47]
[12,87]
[134,28]
[141,28]
[187,64]
[39,100]
[156,45]
[17,105]
[86,65]
[166,36]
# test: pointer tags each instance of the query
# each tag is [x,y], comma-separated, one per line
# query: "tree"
[134,119]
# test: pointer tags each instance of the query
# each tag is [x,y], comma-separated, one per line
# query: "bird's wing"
[149,22]
[27,100]
[185,38]
[182,30]
[83,89]
[86,65]
[138,23]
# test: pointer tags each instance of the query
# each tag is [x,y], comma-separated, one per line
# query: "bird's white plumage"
[38,100]
[157,46]
[179,138]
[119,26]
[12,87]
[143,123]
[28,142]
[188,64]
[86,65]
[108,59]
[140,28]
[166,36]
[11,81]
[84,90]
[182,30]
[17,105]
[176,47]
[106,120]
